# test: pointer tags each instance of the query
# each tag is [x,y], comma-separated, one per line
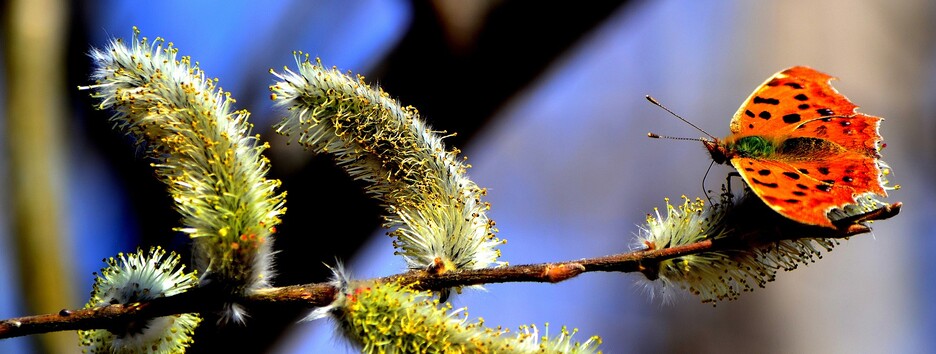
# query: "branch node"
[561,272]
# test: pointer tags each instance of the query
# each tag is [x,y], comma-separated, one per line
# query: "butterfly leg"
[728,180]
[726,188]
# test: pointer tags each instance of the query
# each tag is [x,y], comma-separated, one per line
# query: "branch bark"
[322,294]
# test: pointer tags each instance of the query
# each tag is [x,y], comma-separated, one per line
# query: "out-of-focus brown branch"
[35,37]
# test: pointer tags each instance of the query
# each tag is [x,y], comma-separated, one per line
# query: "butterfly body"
[802,148]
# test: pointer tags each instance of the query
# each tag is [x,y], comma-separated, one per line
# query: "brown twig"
[322,294]
[207,299]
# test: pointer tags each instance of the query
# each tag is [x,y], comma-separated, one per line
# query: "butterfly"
[806,152]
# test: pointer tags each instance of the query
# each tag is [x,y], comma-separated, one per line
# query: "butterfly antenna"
[657,136]
[658,104]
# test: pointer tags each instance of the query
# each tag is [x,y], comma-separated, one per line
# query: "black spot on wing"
[792,175]
[770,101]
[768,185]
[791,118]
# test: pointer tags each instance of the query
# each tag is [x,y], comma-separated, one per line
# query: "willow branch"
[322,294]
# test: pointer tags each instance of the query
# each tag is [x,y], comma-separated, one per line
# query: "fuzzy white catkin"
[203,151]
[439,218]
[138,277]
[755,243]
[388,317]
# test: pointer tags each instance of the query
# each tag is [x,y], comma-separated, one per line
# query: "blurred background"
[547,101]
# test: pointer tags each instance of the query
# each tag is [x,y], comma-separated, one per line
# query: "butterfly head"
[718,151]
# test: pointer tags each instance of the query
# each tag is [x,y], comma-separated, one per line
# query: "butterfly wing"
[858,132]
[827,153]
[788,98]
[806,190]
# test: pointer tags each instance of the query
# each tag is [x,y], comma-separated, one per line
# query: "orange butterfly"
[803,149]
